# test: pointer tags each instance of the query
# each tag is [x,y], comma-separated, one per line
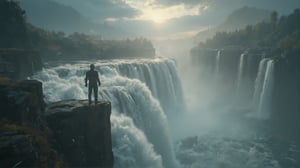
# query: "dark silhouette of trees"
[274,17]
[13,25]
[275,33]
[15,32]
[280,34]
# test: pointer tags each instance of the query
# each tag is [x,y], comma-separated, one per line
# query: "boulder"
[82,132]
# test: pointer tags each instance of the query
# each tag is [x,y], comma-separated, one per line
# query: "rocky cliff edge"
[68,133]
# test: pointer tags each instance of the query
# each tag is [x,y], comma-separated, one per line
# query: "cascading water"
[217,66]
[162,79]
[139,125]
[220,135]
[263,89]
[266,94]
[130,145]
[240,73]
[259,81]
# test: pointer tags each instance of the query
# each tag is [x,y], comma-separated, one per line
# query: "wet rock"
[21,101]
[82,132]
[17,150]
[19,63]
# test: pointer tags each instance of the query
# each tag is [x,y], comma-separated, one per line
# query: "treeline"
[281,33]
[57,45]
[15,32]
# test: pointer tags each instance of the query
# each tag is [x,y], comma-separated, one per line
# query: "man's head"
[92,66]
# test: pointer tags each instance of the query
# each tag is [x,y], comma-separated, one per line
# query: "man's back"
[92,77]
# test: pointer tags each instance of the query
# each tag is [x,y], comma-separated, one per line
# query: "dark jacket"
[93,78]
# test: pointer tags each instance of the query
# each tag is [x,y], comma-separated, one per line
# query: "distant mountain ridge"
[238,19]
[53,16]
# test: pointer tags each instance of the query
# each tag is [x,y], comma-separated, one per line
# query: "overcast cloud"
[157,17]
[99,10]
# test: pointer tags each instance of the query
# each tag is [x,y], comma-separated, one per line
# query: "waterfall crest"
[160,76]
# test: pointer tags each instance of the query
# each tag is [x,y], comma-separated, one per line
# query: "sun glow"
[162,14]
[159,14]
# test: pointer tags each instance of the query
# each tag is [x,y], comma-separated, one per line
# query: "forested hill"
[280,33]
[238,19]
[16,32]
[242,17]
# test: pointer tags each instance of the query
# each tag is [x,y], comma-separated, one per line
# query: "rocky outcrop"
[17,150]
[21,101]
[82,132]
[26,146]
[19,63]
[67,134]
[24,140]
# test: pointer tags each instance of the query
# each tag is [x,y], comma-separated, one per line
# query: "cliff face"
[286,100]
[223,66]
[18,63]
[23,132]
[22,101]
[67,133]
[82,132]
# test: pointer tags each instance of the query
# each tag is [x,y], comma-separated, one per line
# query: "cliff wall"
[19,63]
[286,100]
[68,133]
[239,78]
[82,132]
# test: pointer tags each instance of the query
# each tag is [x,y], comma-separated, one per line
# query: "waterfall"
[139,125]
[217,66]
[130,145]
[263,89]
[240,73]
[266,94]
[259,81]
[160,76]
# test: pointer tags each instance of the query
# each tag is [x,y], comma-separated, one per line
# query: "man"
[93,78]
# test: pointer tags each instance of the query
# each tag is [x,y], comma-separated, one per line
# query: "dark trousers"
[95,89]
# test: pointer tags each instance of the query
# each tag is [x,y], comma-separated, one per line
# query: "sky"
[173,18]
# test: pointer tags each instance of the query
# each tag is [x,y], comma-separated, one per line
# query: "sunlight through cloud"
[151,10]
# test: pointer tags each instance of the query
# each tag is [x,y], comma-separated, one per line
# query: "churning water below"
[151,127]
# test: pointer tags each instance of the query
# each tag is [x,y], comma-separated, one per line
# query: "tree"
[274,17]
[13,30]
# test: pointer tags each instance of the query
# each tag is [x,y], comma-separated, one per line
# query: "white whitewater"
[222,152]
[130,145]
[139,125]
[240,73]
[259,82]
[160,76]
[217,66]
[264,107]
[263,89]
